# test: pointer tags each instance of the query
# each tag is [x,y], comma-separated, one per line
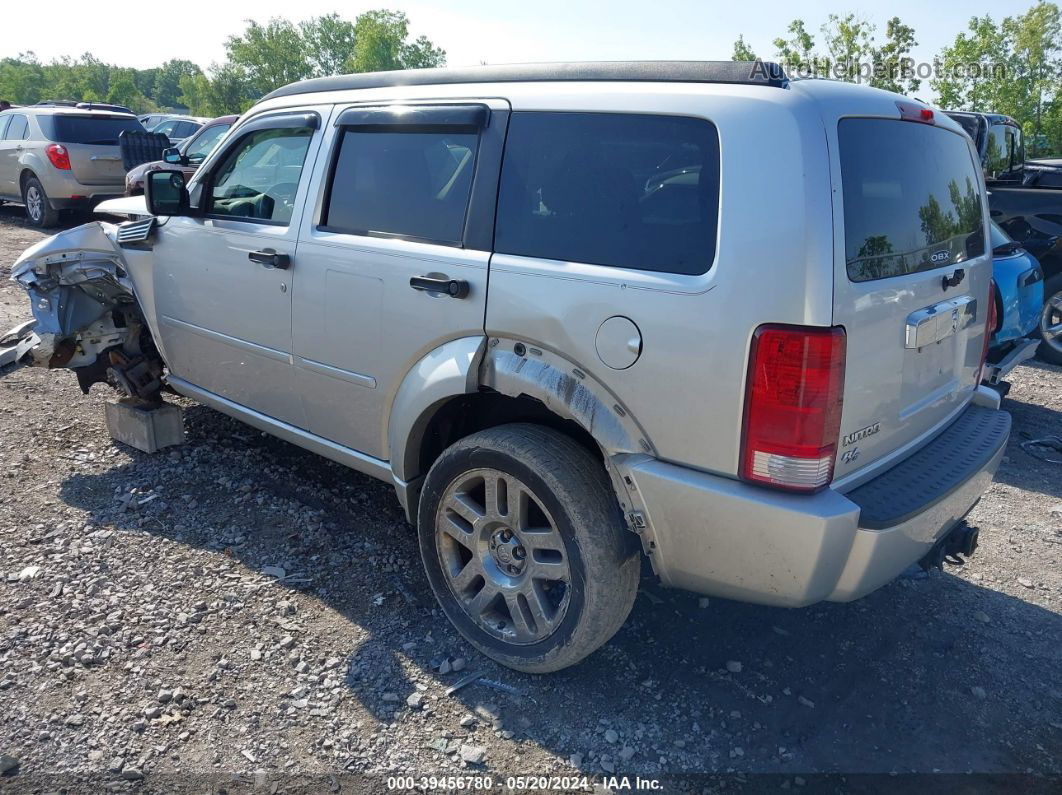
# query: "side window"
[18,128]
[408,184]
[3,125]
[186,128]
[630,191]
[259,177]
[204,144]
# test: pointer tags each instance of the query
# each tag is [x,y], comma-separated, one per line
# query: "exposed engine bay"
[87,315]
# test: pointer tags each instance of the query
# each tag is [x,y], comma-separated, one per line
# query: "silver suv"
[578,314]
[55,158]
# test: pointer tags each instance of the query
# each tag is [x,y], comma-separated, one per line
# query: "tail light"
[59,156]
[991,324]
[793,406]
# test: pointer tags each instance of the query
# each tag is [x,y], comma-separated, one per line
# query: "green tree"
[329,44]
[22,79]
[381,44]
[795,53]
[1036,47]
[167,89]
[849,43]
[123,91]
[742,51]
[972,71]
[268,56]
[892,61]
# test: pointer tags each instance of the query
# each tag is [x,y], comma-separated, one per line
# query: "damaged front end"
[86,310]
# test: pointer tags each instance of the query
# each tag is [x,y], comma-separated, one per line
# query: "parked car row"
[546,303]
[1025,200]
[60,155]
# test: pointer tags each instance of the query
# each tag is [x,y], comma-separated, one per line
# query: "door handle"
[954,280]
[455,288]
[269,258]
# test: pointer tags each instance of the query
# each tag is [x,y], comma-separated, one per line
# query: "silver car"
[55,158]
[579,314]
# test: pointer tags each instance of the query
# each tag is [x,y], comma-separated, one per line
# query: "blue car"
[1019,302]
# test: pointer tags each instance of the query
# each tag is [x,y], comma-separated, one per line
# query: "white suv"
[576,314]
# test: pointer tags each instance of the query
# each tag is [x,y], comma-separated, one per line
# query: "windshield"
[204,143]
[98,130]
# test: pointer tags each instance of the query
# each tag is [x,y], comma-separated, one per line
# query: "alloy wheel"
[34,203]
[1051,322]
[502,556]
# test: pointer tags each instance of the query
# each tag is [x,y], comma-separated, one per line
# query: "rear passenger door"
[393,262]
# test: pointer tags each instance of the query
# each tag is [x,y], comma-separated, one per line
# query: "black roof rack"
[759,73]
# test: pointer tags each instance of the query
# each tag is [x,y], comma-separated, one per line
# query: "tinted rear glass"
[99,130]
[912,198]
[630,191]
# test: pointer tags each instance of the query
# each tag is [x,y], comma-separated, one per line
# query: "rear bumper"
[723,537]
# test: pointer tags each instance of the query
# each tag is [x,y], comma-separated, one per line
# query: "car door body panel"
[225,321]
[358,325]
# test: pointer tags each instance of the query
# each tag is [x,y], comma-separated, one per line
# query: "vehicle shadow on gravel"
[932,673]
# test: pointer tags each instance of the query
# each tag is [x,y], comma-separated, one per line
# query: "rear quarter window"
[92,130]
[625,190]
[912,198]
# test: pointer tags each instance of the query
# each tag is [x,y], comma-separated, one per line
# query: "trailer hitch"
[960,542]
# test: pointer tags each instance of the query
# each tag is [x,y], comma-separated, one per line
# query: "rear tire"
[1050,349]
[39,210]
[525,547]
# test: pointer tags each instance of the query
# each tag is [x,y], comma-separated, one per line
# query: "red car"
[194,150]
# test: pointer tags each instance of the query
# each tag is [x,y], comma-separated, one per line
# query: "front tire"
[1050,349]
[39,210]
[525,547]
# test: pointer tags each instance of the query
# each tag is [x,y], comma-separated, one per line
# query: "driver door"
[222,279]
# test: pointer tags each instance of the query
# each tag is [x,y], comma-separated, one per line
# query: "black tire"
[1050,349]
[568,488]
[39,210]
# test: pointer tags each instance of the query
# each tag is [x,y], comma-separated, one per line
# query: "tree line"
[1011,66]
[261,58]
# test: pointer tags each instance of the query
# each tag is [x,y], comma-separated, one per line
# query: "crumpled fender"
[72,278]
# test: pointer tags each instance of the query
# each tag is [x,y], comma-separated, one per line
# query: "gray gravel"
[240,608]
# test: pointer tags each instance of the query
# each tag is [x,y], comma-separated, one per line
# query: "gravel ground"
[243,611]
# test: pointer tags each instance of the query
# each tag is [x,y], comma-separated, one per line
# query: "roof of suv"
[763,73]
[67,110]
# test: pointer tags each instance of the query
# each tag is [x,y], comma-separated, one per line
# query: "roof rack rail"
[759,73]
[55,103]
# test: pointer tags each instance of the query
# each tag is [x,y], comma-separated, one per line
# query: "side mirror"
[173,156]
[165,193]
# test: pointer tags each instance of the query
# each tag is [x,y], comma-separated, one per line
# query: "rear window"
[630,191]
[912,198]
[98,130]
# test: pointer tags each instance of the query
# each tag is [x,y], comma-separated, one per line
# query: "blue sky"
[495,31]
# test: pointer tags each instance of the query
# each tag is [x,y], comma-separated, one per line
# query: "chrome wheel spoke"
[458,533]
[467,575]
[543,614]
[481,601]
[544,539]
[465,507]
[524,630]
